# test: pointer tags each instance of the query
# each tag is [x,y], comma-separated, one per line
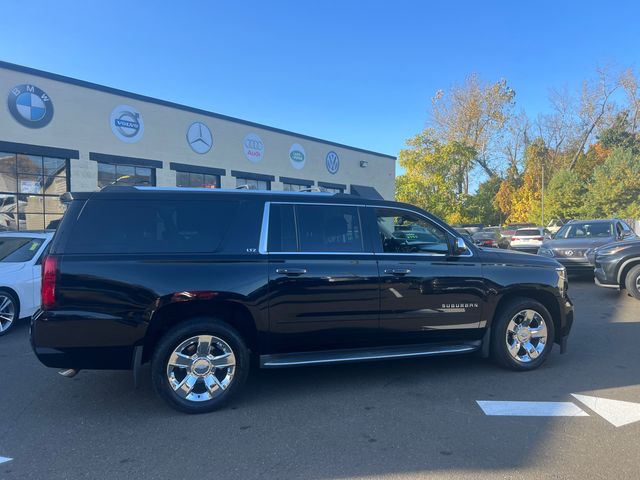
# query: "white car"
[20,263]
[529,239]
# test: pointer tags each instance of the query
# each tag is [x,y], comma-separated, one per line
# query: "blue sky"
[360,73]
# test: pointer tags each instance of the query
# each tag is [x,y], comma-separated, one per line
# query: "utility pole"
[542,208]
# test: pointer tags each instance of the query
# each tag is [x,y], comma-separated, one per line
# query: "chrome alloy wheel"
[526,336]
[201,368]
[7,312]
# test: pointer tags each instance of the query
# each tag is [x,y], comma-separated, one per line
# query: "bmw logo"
[332,161]
[30,106]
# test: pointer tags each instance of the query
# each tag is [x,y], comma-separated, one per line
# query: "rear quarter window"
[151,226]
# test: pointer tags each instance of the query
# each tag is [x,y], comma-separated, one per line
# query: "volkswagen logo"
[126,123]
[332,161]
[253,147]
[199,137]
[30,106]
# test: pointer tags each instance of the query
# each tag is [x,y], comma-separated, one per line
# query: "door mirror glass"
[460,247]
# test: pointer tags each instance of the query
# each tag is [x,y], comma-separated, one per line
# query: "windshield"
[586,230]
[18,249]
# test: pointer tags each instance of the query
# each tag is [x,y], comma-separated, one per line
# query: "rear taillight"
[49,275]
[540,239]
[514,239]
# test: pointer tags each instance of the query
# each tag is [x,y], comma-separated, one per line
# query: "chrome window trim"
[264,232]
[419,255]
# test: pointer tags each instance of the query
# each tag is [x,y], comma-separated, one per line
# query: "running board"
[363,354]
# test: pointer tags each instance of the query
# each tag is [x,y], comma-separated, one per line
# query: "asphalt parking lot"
[400,419]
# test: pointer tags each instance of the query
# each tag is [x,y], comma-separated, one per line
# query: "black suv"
[617,265]
[199,282]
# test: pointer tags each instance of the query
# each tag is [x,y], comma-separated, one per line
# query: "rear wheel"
[199,365]
[9,311]
[632,282]
[522,335]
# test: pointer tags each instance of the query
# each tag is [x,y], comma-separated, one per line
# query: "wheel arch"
[624,270]
[14,293]
[546,298]
[231,312]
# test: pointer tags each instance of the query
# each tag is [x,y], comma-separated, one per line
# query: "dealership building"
[59,134]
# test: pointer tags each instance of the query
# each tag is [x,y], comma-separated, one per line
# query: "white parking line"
[531,409]
[616,412]
[5,459]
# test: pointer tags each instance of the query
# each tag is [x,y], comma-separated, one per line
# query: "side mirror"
[460,247]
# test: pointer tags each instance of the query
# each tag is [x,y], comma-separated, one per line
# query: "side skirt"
[364,354]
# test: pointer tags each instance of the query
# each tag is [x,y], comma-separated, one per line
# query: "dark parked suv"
[199,282]
[617,265]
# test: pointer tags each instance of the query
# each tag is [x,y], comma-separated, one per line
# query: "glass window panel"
[125,175]
[8,211]
[182,179]
[196,180]
[328,229]
[8,182]
[55,166]
[52,221]
[29,184]
[29,164]
[282,229]
[30,204]
[32,221]
[143,176]
[53,205]
[106,174]
[407,233]
[8,163]
[211,181]
[54,185]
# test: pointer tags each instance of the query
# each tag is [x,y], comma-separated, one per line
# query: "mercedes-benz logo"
[199,137]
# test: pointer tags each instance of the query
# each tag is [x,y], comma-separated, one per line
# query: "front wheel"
[633,282]
[9,311]
[522,335]
[199,365]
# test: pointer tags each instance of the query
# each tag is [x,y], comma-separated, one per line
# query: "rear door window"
[328,228]
[152,226]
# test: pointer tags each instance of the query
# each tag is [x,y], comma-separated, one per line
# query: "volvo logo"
[253,147]
[199,137]
[126,123]
[332,161]
[30,106]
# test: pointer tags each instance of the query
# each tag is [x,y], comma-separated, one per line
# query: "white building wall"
[81,122]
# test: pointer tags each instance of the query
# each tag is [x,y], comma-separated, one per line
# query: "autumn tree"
[565,195]
[473,114]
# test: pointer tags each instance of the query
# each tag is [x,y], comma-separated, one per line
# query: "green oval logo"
[297,156]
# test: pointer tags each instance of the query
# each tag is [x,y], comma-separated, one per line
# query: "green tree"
[565,195]
[480,207]
[615,187]
[432,175]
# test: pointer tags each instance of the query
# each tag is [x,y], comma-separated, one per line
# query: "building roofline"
[143,98]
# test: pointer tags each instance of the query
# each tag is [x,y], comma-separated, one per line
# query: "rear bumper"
[66,340]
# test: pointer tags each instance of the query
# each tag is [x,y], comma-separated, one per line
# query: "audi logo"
[253,144]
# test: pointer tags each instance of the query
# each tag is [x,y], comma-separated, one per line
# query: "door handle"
[292,272]
[397,271]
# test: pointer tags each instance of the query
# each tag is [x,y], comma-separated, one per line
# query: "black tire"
[632,282]
[7,327]
[176,337]
[499,349]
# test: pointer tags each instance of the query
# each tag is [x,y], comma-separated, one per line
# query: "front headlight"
[609,250]
[547,252]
